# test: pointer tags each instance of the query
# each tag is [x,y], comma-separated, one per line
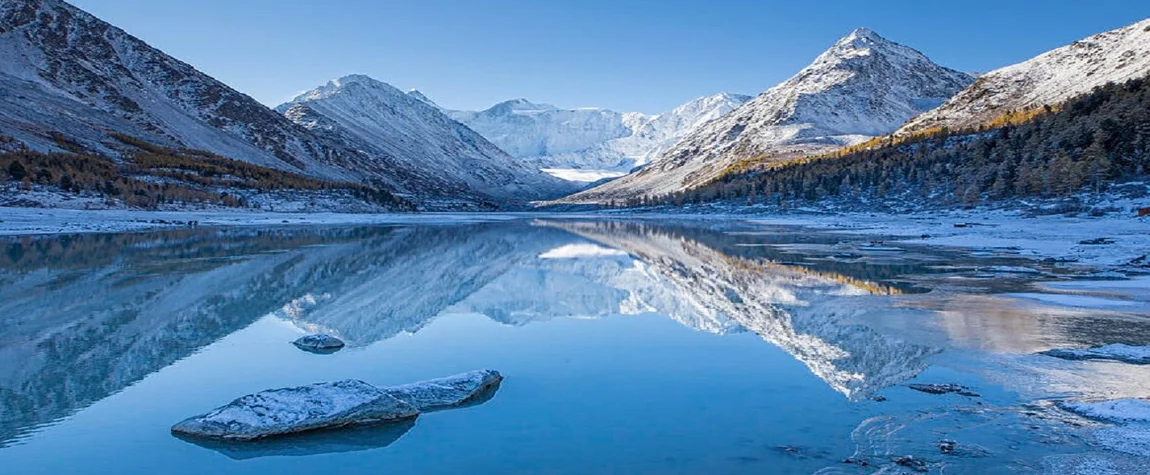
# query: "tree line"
[1082,145]
[151,176]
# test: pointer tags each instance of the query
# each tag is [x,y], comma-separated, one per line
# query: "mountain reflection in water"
[83,317]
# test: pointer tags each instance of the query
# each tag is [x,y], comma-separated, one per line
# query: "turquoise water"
[628,347]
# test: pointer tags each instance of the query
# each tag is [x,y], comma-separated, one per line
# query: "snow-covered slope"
[64,71]
[1048,79]
[863,86]
[427,153]
[588,144]
[811,315]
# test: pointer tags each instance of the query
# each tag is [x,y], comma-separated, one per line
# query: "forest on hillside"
[150,176]
[1082,145]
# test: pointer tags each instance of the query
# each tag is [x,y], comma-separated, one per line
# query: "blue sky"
[637,55]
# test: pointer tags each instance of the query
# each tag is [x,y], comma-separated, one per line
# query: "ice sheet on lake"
[1116,352]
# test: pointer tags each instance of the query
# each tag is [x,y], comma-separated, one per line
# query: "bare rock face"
[331,405]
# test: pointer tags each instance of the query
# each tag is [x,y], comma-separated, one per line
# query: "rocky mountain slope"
[426,153]
[863,86]
[1048,79]
[71,80]
[590,143]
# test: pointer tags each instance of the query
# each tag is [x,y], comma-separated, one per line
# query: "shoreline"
[1041,237]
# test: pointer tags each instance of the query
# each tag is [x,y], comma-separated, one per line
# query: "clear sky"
[627,55]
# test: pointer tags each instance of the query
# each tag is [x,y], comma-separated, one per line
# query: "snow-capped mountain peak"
[64,72]
[1048,79]
[862,86]
[419,96]
[588,143]
[429,153]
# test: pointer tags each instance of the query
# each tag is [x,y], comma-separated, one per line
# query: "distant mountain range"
[588,144]
[71,83]
[414,146]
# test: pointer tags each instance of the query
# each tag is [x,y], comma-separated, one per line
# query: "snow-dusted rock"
[452,391]
[1115,352]
[292,410]
[336,404]
[863,86]
[319,343]
[1118,410]
[1048,79]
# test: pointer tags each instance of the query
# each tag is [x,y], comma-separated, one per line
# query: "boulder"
[292,410]
[453,391]
[319,343]
[348,403]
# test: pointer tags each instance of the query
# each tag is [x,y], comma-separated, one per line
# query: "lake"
[628,346]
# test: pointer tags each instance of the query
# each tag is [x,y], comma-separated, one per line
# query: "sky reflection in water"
[696,348]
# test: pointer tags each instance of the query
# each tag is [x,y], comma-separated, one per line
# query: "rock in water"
[319,343]
[345,403]
[292,410]
[452,391]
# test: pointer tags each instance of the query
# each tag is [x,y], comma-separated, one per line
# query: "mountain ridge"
[1045,80]
[590,141]
[431,154]
[862,86]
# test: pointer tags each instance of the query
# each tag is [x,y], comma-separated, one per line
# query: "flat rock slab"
[1117,352]
[319,343]
[292,410]
[449,392]
[347,403]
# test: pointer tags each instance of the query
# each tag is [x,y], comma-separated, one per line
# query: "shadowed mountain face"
[83,317]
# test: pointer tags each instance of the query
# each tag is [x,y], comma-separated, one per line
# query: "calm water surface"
[628,347]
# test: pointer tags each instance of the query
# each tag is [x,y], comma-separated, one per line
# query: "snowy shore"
[1124,239]
[34,221]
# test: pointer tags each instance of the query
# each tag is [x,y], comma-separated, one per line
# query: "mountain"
[71,81]
[589,143]
[415,94]
[862,87]
[426,153]
[1046,80]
